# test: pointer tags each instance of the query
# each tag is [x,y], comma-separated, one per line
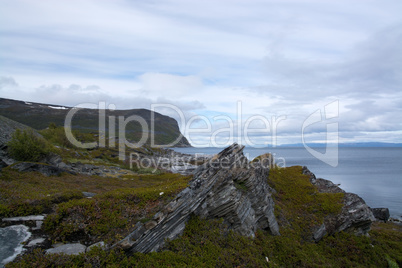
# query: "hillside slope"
[39,116]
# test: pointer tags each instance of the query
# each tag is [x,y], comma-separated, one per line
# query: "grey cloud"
[183,105]
[7,82]
[374,67]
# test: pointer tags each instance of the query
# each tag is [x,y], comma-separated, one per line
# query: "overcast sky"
[278,61]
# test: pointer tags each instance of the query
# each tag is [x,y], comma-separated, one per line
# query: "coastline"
[376,180]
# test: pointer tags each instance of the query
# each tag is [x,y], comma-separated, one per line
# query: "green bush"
[27,146]
[57,135]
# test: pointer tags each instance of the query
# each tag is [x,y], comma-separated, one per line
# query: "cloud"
[276,57]
[372,67]
[168,84]
[7,82]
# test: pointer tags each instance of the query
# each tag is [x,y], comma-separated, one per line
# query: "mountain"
[39,116]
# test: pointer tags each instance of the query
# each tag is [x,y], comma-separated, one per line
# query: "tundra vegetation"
[122,201]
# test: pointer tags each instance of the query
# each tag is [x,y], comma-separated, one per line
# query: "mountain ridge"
[39,115]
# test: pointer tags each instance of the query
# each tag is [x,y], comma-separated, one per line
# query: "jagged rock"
[229,187]
[355,217]
[69,249]
[45,169]
[381,214]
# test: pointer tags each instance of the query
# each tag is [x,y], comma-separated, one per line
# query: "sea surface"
[374,173]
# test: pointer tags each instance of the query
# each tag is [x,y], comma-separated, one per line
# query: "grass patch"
[25,193]
[299,203]
[111,214]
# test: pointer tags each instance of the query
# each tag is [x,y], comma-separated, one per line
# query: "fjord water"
[374,173]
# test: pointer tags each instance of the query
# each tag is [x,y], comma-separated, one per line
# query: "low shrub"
[27,146]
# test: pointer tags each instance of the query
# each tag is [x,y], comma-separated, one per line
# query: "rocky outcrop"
[355,217]
[45,169]
[381,214]
[229,187]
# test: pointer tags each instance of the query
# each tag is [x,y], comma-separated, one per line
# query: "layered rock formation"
[229,187]
[355,217]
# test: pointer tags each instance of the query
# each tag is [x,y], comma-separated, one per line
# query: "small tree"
[52,126]
[27,146]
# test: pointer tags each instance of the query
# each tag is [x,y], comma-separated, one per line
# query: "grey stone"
[88,194]
[69,249]
[151,224]
[36,242]
[38,225]
[213,193]
[52,159]
[356,217]
[320,232]
[45,169]
[381,214]
[26,218]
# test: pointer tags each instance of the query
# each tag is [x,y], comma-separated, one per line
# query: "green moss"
[301,205]
[241,185]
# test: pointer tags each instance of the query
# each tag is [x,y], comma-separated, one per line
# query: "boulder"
[228,186]
[68,249]
[381,214]
[356,217]
[45,169]
[36,242]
